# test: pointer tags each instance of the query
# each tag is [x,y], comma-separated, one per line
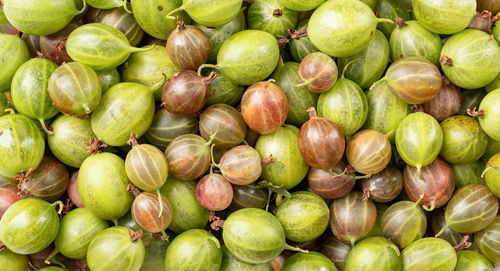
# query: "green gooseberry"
[151,16]
[391,9]
[102,185]
[29,90]
[304,216]
[374,59]
[108,78]
[218,35]
[222,91]
[4,104]
[471,98]
[154,260]
[15,262]
[300,44]
[22,145]
[444,16]
[385,111]
[419,139]
[468,260]
[487,241]
[288,167]
[429,254]
[470,59]
[187,213]
[230,263]
[77,229]
[108,4]
[492,174]
[13,54]
[100,46]
[69,139]
[40,17]
[271,16]
[404,222]
[411,39]
[29,225]
[125,109]
[343,27]
[247,57]
[150,68]
[463,140]
[299,98]
[309,261]
[115,249]
[194,250]
[374,253]
[490,114]
[302,5]
[345,104]
[469,173]
[211,13]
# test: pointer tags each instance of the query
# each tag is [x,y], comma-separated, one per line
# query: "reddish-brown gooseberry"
[214,192]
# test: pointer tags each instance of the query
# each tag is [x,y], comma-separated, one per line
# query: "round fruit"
[374,253]
[318,72]
[222,90]
[438,221]
[69,139]
[429,254]
[187,213]
[342,28]
[321,142]
[444,17]
[264,107]
[102,184]
[374,59]
[214,192]
[78,228]
[226,123]
[309,261]
[300,44]
[194,250]
[40,17]
[152,212]
[463,140]
[121,19]
[471,209]
[288,167]
[471,260]
[404,222]
[368,151]
[248,57]
[304,216]
[393,10]
[492,174]
[188,157]
[413,80]
[385,111]
[335,250]
[7,198]
[29,226]
[54,46]
[446,103]
[100,46]
[48,182]
[331,186]
[146,167]
[29,90]
[411,39]
[15,262]
[107,4]
[271,16]
[253,235]
[75,89]
[302,5]
[108,78]
[383,186]
[419,140]
[352,218]
[23,145]
[489,106]
[468,173]
[231,262]
[470,54]
[241,165]
[14,53]
[248,196]
[486,241]
[125,109]
[188,47]
[116,248]
[436,184]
